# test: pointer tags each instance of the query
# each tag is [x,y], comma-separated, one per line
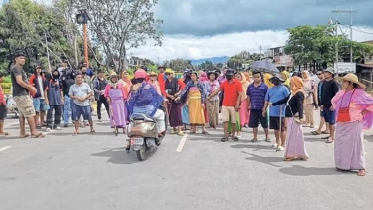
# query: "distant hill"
[213,60]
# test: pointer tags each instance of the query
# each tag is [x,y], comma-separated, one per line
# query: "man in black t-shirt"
[21,95]
[328,91]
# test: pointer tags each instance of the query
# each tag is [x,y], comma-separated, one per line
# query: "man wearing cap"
[232,90]
[276,113]
[328,91]
[21,90]
[38,81]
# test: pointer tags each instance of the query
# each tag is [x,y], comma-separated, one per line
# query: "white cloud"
[190,47]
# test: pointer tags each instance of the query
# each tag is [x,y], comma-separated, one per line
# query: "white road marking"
[8,125]
[5,148]
[182,143]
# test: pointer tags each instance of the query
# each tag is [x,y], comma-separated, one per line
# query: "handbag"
[344,112]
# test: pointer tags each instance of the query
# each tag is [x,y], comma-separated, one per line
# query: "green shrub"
[7,79]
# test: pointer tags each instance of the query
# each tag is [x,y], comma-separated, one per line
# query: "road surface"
[196,172]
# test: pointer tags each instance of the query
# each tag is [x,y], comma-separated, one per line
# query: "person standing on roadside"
[256,93]
[67,80]
[54,98]
[99,86]
[3,110]
[328,91]
[38,81]
[309,89]
[320,76]
[276,113]
[21,95]
[232,90]
[81,93]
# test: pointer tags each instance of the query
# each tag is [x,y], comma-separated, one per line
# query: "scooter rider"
[146,100]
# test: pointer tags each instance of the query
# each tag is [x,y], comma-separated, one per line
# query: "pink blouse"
[354,109]
[119,86]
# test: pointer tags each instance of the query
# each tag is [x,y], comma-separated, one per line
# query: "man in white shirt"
[80,92]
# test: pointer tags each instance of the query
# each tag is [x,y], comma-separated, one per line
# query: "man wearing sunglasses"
[320,76]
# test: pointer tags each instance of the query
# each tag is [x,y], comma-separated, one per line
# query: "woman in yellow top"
[285,75]
[194,95]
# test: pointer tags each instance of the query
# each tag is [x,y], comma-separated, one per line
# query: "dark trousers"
[101,101]
[57,115]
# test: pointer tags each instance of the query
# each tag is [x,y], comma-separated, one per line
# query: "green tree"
[317,44]
[179,64]
[34,28]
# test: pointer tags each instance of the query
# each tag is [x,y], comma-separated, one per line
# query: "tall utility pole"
[347,12]
[82,18]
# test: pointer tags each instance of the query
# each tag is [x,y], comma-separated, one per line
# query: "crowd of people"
[284,103]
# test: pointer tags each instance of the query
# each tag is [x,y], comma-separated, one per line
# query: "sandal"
[181,133]
[205,133]
[4,134]
[324,132]
[325,137]
[24,136]
[362,172]
[329,141]
[235,138]
[39,135]
[267,140]
[92,132]
[224,139]
[288,159]
[75,133]
[254,140]
[315,133]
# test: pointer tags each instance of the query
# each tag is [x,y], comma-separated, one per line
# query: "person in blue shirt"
[276,113]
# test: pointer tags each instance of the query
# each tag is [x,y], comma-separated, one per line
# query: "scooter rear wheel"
[141,154]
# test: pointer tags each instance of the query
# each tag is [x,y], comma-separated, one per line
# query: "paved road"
[94,172]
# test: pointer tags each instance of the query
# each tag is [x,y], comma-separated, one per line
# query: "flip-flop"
[315,133]
[92,132]
[254,140]
[75,134]
[24,136]
[325,137]
[5,134]
[329,141]
[38,136]
[224,139]
[324,132]
[235,138]
[205,133]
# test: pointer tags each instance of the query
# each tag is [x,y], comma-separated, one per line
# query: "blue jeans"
[67,110]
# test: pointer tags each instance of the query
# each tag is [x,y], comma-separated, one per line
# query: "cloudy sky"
[195,29]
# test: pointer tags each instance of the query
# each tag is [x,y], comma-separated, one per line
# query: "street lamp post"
[82,18]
